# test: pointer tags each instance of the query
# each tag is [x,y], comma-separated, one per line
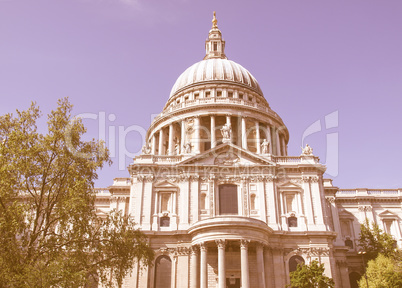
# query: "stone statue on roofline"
[146,149]
[307,151]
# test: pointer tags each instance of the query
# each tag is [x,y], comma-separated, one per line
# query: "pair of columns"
[221,244]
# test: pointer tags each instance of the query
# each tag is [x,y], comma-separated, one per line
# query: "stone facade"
[223,204]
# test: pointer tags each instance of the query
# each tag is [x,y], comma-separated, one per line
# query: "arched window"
[354,278]
[294,261]
[252,201]
[163,272]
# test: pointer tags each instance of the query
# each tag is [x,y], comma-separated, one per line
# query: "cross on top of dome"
[215,45]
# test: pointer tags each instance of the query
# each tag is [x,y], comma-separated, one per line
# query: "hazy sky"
[118,59]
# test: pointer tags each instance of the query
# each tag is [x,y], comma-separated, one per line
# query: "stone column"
[260,265]
[221,263]
[204,267]
[308,203]
[243,133]
[194,267]
[153,144]
[183,135]
[257,136]
[213,134]
[283,146]
[161,142]
[197,135]
[245,277]
[228,119]
[335,219]
[269,139]
[278,144]
[171,143]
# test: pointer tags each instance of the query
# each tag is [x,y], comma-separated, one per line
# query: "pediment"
[165,184]
[227,154]
[290,185]
[388,214]
[345,214]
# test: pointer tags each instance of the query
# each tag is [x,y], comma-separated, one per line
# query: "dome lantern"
[215,45]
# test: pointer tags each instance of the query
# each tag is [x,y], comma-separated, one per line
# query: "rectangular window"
[387,226]
[165,202]
[230,94]
[290,203]
[218,93]
[228,204]
[215,46]
[196,95]
[345,228]
[207,94]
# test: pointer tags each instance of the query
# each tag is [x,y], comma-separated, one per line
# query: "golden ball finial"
[214,21]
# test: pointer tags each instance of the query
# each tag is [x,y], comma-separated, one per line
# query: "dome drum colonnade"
[210,95]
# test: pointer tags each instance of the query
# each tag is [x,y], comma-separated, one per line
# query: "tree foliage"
[373,241]
[310,276]
[383,272]
[50,235]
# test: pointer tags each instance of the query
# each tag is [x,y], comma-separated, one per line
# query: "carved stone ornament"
[221,243]
[258,178]
[365,208]
[227,159]
[203,246]
[330,199]
[312,251]
[270,178]
[182,251]
[194,249]
[244,243]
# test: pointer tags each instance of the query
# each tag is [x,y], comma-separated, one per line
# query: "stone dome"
[215,69]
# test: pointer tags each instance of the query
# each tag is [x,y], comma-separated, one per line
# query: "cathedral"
[222,202]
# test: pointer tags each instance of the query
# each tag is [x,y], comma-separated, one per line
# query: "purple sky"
[310,57]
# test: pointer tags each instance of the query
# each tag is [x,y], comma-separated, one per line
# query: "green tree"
[383,272]
[50,235]
[373,241]
[310,276]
